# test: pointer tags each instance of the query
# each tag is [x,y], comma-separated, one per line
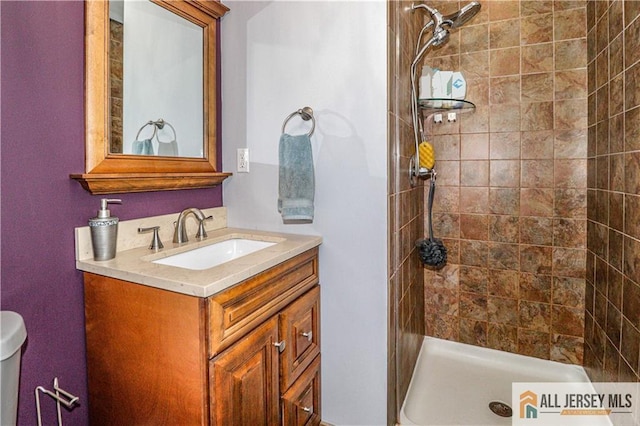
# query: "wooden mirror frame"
[107,173]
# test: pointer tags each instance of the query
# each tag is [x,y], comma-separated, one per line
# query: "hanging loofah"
[432,251]
[426,155]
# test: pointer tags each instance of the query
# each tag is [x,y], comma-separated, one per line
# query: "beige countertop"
[136,264]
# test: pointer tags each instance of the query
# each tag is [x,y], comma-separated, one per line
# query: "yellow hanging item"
[427,155]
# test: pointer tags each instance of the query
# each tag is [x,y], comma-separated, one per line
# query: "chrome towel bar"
[306,114]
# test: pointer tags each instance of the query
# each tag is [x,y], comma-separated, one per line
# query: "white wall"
[330,55]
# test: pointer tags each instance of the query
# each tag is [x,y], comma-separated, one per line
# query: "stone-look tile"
[569,24]
[569,262]
[441,301]
[616,56]
[534,343]
[500,10]
[474,146]
[632,43]
[504,229]
[570,84]
[570,114]
[474,173]
[616,133]
[537,58]
[446,225]
[502,337]
[569,233]
[443,326]
[631,267]
[570,143]
[630,344]
[569,292]
[536,202]
[537,173]
[475,64]
[446,147]
[537,144]
[473,279]
[567,349]
[447,199]
[504,201]
[504,146]
[611,363]
[632,172]
[473,332]
[503,256]
[503,283]
[504,62]
[504,118]
[570,54]
[632,215]
[632,86]
[536,259]
[473,253]
[474,38]
[447,277]
[503,311]
[570,173]
[535,287]
[474,200]
[569,321]
[537,116]
[504,34]
[504,90]
[505,173]
[537,87]
[616,95]
[478,122]
[473,306]
[536,231]
[474,227]
[535,7]
[448,173]
[534,316]
[613,325]
[632,129]
[536,29]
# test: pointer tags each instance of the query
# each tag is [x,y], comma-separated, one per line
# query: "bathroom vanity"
[166,345]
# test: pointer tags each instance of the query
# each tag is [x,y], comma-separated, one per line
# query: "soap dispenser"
[104,232]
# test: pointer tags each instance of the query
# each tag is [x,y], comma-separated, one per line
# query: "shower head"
[442,24]
[463,16]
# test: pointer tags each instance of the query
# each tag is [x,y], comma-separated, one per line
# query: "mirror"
[154,109]
[147,141]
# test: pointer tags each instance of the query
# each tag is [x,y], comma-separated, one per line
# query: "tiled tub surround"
[511,202]
[612,332]
[406,289]
[133,261]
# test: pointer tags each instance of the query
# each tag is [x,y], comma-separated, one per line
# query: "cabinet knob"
[308,335]
[280,346]
[308,409]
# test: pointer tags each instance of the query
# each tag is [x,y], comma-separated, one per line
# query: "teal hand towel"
[143,147]
[296,186]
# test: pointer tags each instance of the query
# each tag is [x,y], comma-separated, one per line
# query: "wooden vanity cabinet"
[249,355]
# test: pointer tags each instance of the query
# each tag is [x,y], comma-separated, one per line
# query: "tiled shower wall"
[612,336]
[406,289]
[511,199]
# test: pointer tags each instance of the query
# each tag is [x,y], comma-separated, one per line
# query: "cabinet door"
[244,380]
[301,403]
[300,329]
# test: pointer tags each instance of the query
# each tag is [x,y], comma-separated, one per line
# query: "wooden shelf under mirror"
[110,171]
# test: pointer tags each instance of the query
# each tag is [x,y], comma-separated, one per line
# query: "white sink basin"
[214,254]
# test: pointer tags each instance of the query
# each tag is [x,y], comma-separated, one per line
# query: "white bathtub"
[453,383]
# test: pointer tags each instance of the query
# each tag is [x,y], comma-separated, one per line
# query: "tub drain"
[500,408]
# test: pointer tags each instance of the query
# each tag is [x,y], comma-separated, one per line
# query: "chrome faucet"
[180,231]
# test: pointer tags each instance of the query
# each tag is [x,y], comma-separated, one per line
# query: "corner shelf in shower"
[434,105]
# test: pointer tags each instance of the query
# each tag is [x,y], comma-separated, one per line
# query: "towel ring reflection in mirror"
[306,114]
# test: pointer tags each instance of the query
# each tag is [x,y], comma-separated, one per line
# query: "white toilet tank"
[12,335]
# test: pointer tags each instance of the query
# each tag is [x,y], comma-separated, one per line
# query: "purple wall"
[42,142]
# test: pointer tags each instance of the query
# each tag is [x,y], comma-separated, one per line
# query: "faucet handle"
[202,233]
[156,244]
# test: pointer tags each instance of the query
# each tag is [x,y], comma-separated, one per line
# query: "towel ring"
[158,124]
[148,123]
[306,114]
